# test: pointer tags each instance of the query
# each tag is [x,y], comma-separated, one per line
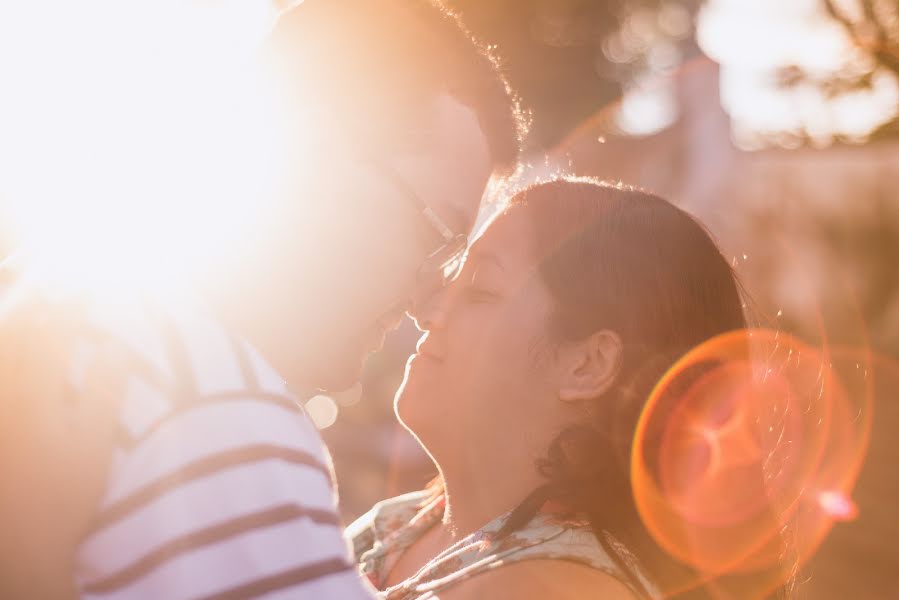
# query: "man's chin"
[342,370]
[339,367]
[346,371]
[339,378]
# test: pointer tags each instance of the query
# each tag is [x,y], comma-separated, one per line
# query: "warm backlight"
[138,139]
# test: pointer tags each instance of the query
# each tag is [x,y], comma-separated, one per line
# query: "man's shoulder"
[218,463]
[220,398]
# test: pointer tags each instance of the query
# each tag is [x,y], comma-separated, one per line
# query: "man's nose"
[427,308]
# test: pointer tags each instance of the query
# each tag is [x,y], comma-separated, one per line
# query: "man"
[188,472]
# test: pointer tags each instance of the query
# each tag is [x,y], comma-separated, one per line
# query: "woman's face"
[479,371]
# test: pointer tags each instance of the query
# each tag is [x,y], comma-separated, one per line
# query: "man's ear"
[589,366]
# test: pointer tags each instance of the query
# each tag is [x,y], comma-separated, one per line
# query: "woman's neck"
[479,492]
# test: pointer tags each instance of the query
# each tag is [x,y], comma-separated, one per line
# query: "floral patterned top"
[381,536]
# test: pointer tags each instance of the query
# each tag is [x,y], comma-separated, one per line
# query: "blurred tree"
[873,25]
[825,69]
[825,73]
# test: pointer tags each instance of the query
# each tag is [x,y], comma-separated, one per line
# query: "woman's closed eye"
[484,281]
[480,294]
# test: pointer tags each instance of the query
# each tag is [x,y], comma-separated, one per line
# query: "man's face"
[359,263]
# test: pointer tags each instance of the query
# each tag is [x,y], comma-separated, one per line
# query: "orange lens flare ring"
[750,434]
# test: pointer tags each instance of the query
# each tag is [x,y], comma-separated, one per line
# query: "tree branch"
[880,49]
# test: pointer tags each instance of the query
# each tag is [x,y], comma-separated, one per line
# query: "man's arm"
[229,498]
[56,440]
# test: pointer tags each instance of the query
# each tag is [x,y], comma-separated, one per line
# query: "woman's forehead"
[508,236]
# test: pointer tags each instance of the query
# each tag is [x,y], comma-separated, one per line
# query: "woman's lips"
[428,357]
[426,350]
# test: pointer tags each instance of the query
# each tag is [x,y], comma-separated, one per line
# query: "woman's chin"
[413,403]
[403,399]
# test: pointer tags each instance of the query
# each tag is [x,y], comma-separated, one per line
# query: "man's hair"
[377,66]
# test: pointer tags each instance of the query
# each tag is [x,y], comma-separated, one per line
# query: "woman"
[526,390]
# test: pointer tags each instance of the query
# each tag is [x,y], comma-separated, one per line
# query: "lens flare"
[751,436]
[838,506]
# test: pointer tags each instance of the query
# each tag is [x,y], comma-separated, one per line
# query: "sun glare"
[137,138]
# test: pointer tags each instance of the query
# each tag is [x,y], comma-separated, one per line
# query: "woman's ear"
[589,366]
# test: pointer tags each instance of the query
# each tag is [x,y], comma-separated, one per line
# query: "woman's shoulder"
[384,518]
[551,556]
[563,544]
[557,542]
[542,578]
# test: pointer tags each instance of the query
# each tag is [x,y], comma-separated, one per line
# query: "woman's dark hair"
[620,259]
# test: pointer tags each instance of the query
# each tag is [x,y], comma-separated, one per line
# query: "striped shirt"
[220,486]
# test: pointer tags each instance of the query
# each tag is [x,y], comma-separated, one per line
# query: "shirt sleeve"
[220,486]
[226,498]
